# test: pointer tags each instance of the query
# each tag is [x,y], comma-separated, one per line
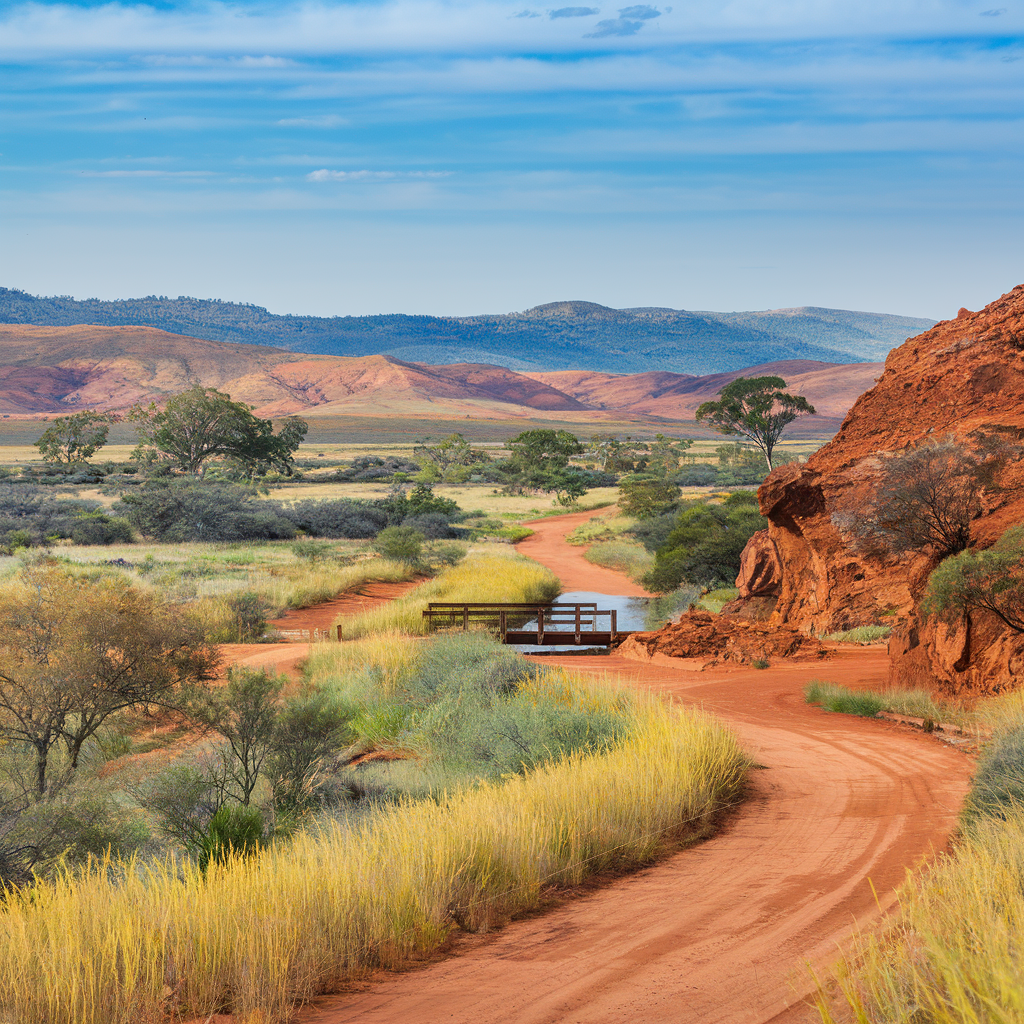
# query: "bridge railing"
[557,623]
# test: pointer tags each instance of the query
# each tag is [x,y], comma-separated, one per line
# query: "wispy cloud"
[327,175]
[318,121]
[573,12]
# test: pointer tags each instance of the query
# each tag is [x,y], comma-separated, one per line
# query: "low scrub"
[868,703]
[254,935]
[599,528]
[482,576]
[627,557]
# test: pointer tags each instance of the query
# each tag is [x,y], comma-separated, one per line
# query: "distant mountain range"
[52,370]
[556,336]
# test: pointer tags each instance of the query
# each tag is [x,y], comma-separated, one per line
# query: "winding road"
[721,933]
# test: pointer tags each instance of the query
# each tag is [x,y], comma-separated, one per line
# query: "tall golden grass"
[953,954]
[126,943]
[305,585]
[481,576]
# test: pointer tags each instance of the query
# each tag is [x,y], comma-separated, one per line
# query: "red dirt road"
[720,933]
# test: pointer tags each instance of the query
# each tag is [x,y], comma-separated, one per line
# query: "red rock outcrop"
[965,378]
[704,640]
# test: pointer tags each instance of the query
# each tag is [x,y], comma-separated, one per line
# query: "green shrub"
[233,831]
[400,544]
[623,556]
[705,543]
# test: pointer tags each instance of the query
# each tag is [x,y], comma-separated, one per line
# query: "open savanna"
[347,437]
[500,782]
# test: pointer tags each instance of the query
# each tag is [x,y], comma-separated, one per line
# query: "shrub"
[233,832]
[352,520]
[644,495]
[991,581]
[400,543]
[705,545]
[432,526]
[926,497]
[102,531]
[186,510]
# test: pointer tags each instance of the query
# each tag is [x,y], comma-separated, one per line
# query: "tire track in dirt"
[719,933]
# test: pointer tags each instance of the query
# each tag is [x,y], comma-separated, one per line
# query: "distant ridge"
[52,370]
[568,335]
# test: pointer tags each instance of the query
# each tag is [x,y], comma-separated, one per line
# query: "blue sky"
[478,156]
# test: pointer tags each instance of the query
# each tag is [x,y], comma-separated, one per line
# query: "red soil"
[720,932]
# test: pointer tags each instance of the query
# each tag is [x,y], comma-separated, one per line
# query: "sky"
[475,156]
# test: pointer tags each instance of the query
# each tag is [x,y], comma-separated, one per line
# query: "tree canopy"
[74,438]
[540,462]
[201,424]
[757,408]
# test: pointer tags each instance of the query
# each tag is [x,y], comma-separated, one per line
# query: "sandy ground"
[721,932]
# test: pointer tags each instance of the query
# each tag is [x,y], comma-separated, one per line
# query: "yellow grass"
[116,945]
[481,576]
[390,654]
[954,954]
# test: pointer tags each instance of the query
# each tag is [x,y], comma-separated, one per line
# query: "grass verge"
[126,943]
[861,635]
[868,703]
[482,576]
[628,557]
[953,953]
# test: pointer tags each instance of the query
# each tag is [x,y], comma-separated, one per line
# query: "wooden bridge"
[581,624]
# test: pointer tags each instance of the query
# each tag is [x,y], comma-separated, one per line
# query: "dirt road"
[721,932]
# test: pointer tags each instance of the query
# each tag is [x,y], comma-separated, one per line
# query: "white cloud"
[319,121]
[326,175]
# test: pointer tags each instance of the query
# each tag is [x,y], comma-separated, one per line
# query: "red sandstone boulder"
[704,640]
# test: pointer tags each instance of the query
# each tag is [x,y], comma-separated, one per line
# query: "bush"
[705,545]
[643,495]
[634,560]
[186,510]
[432,526]
[351,520]
[102,531]
[233,832]
[991,581]
[927,497]
[400,544]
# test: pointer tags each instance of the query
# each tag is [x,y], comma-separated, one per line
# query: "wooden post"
[503,624]
[615,625]
[465,616]
[540,626]
[577,625]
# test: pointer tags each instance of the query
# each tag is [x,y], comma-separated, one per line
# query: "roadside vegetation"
[952,953]
[483,576]
[868,703]
[536,780]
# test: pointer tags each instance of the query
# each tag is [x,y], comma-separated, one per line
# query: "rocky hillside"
[554,336]
[965,378]
[49,370]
